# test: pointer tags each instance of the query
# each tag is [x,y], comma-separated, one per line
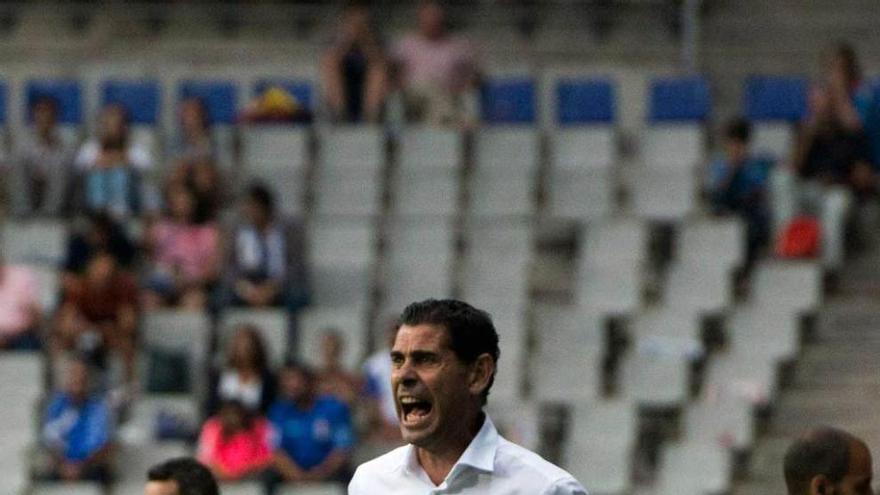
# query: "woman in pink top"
[184,255]
[235,444]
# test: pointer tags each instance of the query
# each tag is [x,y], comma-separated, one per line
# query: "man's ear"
[819,485]
[481,373]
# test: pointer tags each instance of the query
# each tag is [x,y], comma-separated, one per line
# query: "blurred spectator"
[77,430]
[20,312]
[737,184]
[99,312]
[246,376]
[235,444]
[194,142]
[100,234]
[383,420]
[266,255]
[832,156]
[354,72]
[112,145]
[314,432]
[184,255]
[436,70]
[41,168]
[205,180]
[333,379]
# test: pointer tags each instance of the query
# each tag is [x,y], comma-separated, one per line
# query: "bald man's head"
[828,461]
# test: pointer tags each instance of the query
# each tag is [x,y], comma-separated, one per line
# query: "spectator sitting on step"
[267,268]
[113,134]
[314,434]
[184,255]
[354,71]
[236,443]
[246,376]
[737,185]
[20,312]
[194,141]
[77,430]
[99,312]
[42,165]
[437,71]
[100,233]
[333,379]
[382,409]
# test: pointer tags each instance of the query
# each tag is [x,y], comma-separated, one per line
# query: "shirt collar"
[479,454]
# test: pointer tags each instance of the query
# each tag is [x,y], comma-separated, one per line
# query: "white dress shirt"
[490,465]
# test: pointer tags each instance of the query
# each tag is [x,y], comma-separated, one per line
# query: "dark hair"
[262,196]
[46,100]
[847,54]
[470,330]
[192,477]
[824,451]
[261,361]
[738,129]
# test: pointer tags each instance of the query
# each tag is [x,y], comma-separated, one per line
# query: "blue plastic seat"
[140,98]
[776,98]
[220,98]
[508,101]
[679,99]
[300,89]
[585,101]
[67,93]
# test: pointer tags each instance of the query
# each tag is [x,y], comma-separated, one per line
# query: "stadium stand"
[395,213]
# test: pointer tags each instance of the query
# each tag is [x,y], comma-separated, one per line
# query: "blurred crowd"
[150,235]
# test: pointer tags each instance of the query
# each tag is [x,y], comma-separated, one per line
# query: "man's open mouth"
[414,409]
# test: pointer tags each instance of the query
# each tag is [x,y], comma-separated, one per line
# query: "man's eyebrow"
[416,353]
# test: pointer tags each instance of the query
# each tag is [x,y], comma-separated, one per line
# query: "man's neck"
[438,462]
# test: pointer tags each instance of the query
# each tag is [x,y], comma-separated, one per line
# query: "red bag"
[800,239]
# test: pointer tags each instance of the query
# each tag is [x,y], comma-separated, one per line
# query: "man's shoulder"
[383,464]
[524,462]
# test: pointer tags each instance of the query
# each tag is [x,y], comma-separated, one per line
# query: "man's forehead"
[421,337]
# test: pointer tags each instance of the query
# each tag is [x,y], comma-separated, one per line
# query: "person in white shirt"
[113,129]
[443,364]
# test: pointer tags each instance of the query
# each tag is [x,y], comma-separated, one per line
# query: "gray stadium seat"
[271,323]
[139,431]
[426,179]
[765,330]
[609,289]
[503,180]
[241,487]
[348,180]
[654,378]
[745,374]
[513,368]
[419,261]
[278,156]
[343,257]
[496,264]
[673,146]
[50,285]
[669,330]
[712,243]
[350,323]
[664,194]
[695,468]
[720,417]
[581,183]
[616,243]
[772,139]
[796,285]
[704,290]
[517,420]
[176,330]
[569,359]
[136,460]
[39,242]
[600,444]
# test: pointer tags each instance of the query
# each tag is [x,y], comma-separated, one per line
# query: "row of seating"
[504,99]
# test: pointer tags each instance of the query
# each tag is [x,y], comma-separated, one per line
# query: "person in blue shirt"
[737,185]
[313,433]
[77,429]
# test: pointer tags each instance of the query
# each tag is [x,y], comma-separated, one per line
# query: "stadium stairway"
[834,381]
